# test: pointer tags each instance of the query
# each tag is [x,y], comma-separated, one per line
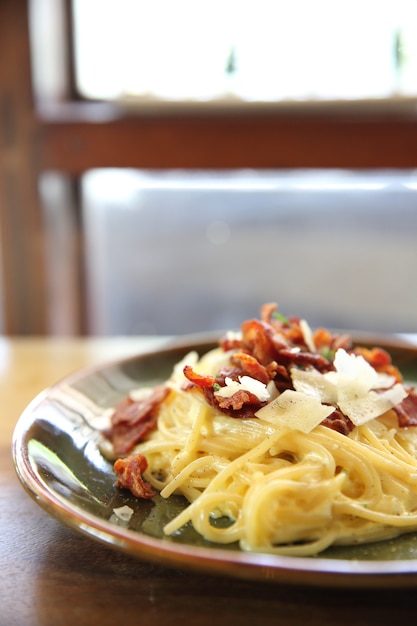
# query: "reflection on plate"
[56,455]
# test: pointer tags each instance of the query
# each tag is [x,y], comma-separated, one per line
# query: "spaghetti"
[283,440]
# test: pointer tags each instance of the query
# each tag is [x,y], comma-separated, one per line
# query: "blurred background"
[167,167]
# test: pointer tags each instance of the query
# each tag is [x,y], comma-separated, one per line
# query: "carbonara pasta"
[282,439]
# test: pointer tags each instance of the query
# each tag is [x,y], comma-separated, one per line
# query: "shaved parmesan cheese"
[245,383]
[353,373]
[355,379]
[350,387]
[365,408]
[395,394]
[384,381]
[295,410]
[123,513]
[313,383]
[272,390]
[307,336]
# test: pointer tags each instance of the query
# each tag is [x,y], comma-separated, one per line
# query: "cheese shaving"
[307,335]
[245,383]
[353,373]
[123,513]
[350,387]
[313,383]
[295,410]
[361,410]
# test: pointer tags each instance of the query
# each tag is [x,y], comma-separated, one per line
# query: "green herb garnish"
[281,318]
[328,353]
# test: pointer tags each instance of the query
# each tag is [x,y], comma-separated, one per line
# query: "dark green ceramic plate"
[56,455]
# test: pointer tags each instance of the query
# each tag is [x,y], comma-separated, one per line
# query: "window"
[234,51]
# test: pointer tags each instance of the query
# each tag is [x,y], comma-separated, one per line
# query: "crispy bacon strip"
[267,311]
[261,340]
[339,422]
[407,410]
[129,476]
[322,338]
[133,420]
[241,404]
[204,381]
[251,367]
[238,399]
[289,329]
[304,358]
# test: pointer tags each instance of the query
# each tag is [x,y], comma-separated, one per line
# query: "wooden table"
[51,575]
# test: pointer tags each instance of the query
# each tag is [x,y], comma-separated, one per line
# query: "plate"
[58,461]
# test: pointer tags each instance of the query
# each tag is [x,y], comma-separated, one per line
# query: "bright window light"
[242,50]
